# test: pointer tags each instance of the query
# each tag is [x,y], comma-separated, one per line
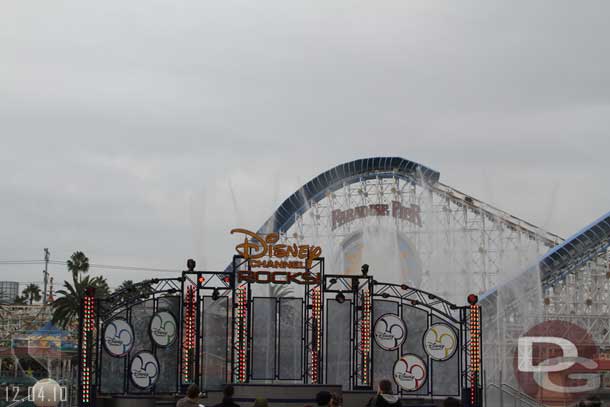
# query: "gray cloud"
[123,123]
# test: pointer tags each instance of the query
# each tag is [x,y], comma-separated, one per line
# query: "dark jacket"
[187,402]
[227,402]
[384,400]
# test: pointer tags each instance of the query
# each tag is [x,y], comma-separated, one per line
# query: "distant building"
[9,290]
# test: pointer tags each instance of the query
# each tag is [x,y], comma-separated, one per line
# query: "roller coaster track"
[391,167]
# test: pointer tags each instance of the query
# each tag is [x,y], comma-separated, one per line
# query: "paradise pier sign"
[265,252]
[408,213]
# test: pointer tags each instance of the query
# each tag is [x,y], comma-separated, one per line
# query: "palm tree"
[20,300]
[78,263]
[32,293]
[67,306]
[126,285]
[129,292]
[280,290]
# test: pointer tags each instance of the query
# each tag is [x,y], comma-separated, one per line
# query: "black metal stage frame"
[172,365]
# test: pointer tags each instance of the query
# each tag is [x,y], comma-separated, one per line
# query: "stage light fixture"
[365,269]
[404,287]
[340,298]
[190,264]
[215,294]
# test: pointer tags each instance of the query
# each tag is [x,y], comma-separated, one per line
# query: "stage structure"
[213,328]
[414,231]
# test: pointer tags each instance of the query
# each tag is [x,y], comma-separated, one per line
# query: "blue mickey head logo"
[118,337]
[144,370]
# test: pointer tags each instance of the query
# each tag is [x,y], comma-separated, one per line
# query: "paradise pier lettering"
[410,213]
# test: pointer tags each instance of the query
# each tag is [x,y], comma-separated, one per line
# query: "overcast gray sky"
[124,125]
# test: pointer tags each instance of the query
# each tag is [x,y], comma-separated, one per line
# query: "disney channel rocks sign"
[410,372]
[390,332]
[440,342]
[118,337]
[163,328]
[265,252]
[144,370]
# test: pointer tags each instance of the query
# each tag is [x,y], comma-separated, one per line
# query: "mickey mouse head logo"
[410,372]
[390,332]
[163,328]
[118,337]
[440,341]
[144,369]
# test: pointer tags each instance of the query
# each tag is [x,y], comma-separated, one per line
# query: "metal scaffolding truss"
[476,239]
[583,297]
[137,293]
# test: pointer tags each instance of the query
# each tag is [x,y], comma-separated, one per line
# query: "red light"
[201,279]
[472,299]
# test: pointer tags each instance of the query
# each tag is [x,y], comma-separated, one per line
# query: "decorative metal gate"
[211,328]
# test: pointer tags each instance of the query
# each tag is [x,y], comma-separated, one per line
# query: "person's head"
[323,398]
[593,401]
[228,390]
[192,391]
[451,402]
[385,387]
[335,400]
[261,402]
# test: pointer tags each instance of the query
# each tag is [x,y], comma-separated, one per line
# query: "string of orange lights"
[242,332]
[317,333]
[475,351]
[189,334]
[365,335]
[88,328]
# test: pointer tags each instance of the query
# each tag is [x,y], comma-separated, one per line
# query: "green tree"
[32,293]
[67,305]
[125,286]
[20,300]
[78,263]
[129,292]
[280,290]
